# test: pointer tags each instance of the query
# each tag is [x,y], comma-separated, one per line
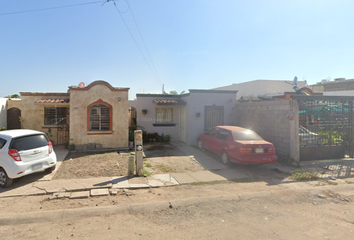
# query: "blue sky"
[193,44]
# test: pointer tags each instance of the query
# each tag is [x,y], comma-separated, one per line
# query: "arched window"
[100,117]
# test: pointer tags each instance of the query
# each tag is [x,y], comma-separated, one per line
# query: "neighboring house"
[183,117]
[338,87]
[263,87]
[3,112]
[95,116]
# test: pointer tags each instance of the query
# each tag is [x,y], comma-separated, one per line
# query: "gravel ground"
[160,158]
[87,165]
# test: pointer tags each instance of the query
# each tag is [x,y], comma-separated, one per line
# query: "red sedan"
[236,144]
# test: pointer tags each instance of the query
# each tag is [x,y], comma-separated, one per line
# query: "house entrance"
[214,116]
[63,134]
[326,127]
[13,118]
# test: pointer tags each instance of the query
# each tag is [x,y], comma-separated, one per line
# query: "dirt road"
[291,214]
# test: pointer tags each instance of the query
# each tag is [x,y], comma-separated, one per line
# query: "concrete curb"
[55,215]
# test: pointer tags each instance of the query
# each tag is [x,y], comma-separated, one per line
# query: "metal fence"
[325,127]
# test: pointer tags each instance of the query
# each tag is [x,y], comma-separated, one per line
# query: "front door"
[182,124]
[13,118]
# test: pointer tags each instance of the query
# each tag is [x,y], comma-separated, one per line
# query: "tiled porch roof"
[177,102]
[52,100]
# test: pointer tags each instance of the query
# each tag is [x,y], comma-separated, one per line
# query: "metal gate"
[214,116]
[62,134]
[325,127]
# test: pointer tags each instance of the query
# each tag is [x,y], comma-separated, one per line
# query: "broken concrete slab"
[99,192]
[155,183]
[81,194]
[167,179]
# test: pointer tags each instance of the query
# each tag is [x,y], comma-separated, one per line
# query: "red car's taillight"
[271,150]
[50,147]
[244,150]
[14,154]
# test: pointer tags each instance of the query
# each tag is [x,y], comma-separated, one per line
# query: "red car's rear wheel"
[225,158]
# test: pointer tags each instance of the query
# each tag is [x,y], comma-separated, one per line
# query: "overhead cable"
[50,8]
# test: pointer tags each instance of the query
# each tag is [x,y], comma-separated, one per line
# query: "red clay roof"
[51,100]
[169,102]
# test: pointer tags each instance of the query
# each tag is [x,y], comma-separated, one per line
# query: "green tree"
[13,96]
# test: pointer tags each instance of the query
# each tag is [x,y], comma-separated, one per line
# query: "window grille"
[99,118]
[164,115]
[55,116]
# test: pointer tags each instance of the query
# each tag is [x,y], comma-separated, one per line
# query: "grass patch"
[148,165]
[147,173]
[163,168]
[210,183]
[145,159]
[349,182]
[303,176]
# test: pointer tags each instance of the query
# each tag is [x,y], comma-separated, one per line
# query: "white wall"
[3,112]
[196,102]
[145,101]
[262,87]
[339,93]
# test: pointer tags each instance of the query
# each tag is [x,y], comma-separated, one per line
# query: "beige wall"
[33,114]
[81,98]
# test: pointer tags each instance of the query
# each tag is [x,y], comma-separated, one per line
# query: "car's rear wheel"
[49,170]
[5,181]
[225,158]
[200,144]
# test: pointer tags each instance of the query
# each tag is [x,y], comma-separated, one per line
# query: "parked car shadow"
[271,173]
[161,150]
[23,181]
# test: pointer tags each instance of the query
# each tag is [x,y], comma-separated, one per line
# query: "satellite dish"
[81,84]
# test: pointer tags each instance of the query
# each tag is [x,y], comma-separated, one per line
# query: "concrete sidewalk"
[76,188]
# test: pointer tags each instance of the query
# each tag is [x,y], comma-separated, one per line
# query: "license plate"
[259,150]
[37,166]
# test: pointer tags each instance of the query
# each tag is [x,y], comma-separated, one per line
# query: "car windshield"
[245,136]
[29,142]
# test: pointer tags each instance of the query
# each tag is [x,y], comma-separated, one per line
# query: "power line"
[50,8]
[141,36]
[131,34]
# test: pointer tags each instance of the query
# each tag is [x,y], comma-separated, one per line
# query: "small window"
[100,118]
[29,142]
[55,116]
[222,134]
[164,115]
[211,132]
[2,143]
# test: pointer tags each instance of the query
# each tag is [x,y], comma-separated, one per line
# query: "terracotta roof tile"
[51,100]
[169,102]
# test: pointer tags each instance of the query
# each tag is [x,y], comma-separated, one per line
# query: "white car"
[308,138]
[23,152]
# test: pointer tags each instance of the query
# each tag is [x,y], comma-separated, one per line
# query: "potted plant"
[167,138]
[71,147]
[144,111]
